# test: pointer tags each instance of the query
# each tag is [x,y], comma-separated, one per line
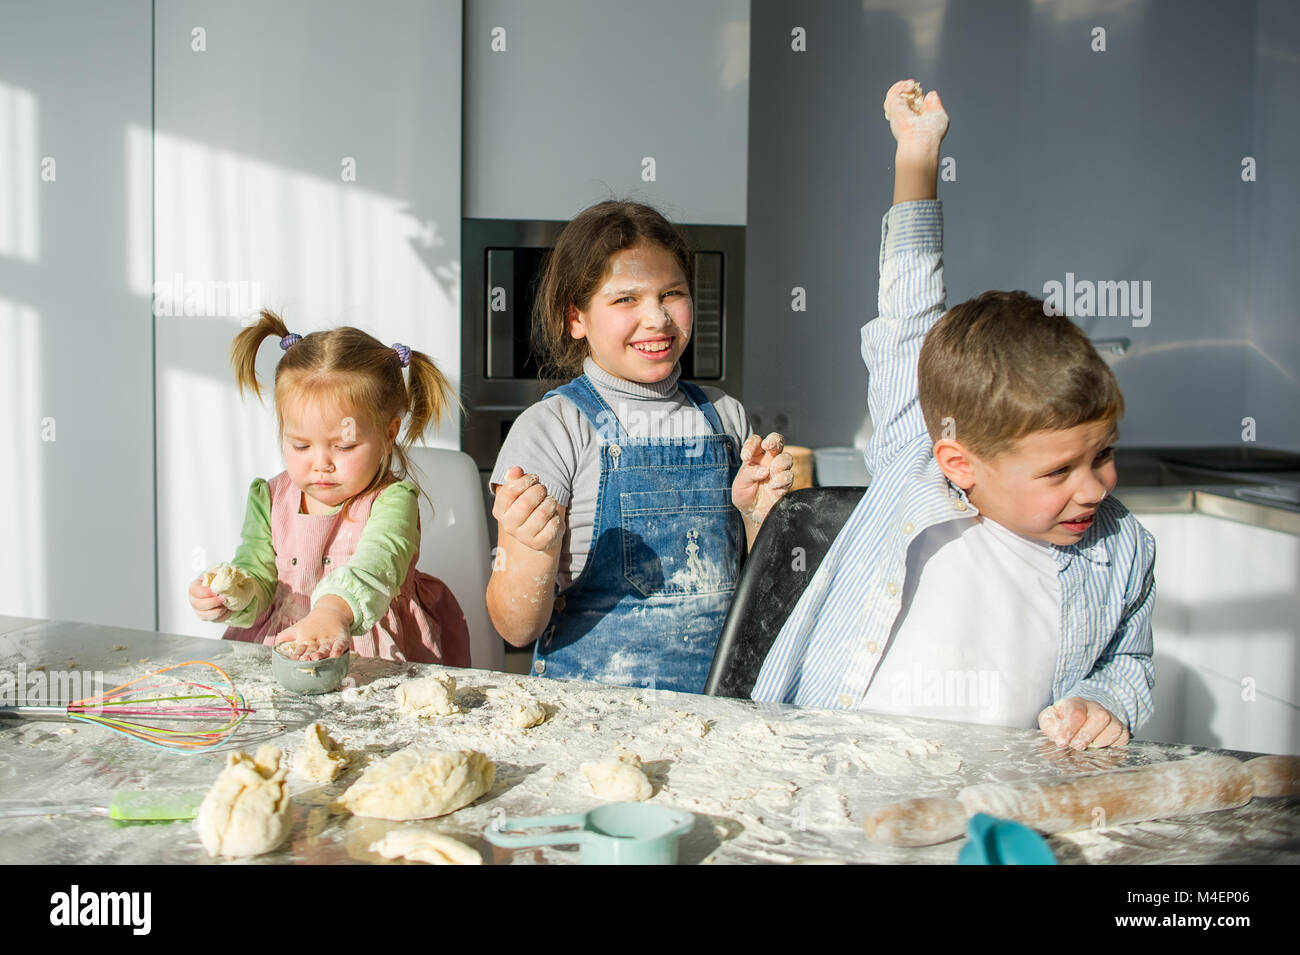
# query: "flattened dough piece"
[320,759]
[693,725]
[426,845]
[527,713]
[235,587]
[428,696]
[618,780]
[419,784]
[247,811]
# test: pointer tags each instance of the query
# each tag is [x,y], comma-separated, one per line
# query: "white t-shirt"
[555,441]
[978,630]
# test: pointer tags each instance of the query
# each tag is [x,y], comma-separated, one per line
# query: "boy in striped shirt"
[987,574]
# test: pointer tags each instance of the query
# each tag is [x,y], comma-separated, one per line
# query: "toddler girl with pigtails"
[327,559]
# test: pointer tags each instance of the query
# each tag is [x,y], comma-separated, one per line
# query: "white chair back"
[454,543]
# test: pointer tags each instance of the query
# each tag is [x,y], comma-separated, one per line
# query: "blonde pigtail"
[243,353]
[431,397]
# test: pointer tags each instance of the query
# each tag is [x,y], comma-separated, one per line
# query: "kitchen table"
[767,784]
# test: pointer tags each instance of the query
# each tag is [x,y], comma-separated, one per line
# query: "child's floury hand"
[527,513]
[1080,724]
[320,634]
[764,477]
[915,120]
[208,605]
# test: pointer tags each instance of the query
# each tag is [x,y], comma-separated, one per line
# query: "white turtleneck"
[553,440]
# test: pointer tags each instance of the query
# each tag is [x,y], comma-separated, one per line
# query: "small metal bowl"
[308,677]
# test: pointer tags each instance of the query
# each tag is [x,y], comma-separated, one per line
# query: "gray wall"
[76,512]
[585,89]
[1273,362]
[1116,165]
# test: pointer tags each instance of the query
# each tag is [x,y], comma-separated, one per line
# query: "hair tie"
[288,341]
[403,353]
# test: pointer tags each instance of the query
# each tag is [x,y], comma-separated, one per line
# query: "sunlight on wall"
[139,209]
[1084,10]
[23,574]
[733,46]
[20,172]
[923,17]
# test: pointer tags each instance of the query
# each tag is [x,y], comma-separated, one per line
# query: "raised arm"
[912,294]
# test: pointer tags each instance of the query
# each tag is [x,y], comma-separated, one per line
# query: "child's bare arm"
[530,532]
[919,124]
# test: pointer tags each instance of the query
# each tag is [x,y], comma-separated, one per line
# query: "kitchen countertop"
[774,784]
[1257,487]
[1222,501]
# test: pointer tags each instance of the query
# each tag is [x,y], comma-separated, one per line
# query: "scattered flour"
[767,784]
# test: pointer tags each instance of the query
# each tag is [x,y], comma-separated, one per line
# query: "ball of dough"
[426,845]
[618,780]
[428,696]
[247,811]
[528,713]
[235,587]
[419,784]
[320,759]
[915,98]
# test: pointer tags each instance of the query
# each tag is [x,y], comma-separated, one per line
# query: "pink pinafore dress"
[424,623]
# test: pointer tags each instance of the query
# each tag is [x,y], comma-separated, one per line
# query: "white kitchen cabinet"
[1227,634]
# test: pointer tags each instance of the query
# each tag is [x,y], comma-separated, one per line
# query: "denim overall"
[649,605]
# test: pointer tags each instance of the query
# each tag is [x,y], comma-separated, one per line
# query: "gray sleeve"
[544,441]
[732,414]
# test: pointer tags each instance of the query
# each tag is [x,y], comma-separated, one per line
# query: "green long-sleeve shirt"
[369,580]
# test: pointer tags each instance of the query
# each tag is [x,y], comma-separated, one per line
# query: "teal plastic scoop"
[621,833]
[995,841]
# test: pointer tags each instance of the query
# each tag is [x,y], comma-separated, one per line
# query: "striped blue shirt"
[827,653]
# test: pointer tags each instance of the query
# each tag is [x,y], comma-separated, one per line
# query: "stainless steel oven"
[502,263]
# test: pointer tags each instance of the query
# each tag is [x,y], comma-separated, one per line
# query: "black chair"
[789,548]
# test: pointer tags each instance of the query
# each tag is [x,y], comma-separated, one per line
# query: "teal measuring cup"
[621,833]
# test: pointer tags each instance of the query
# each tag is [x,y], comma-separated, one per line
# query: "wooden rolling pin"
[1203,783]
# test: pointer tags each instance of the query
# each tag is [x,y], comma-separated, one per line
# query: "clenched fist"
[527,513]
[764,477]
[1081,724]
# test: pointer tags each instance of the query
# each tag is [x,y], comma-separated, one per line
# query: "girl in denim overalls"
[330,544]
[650,469]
